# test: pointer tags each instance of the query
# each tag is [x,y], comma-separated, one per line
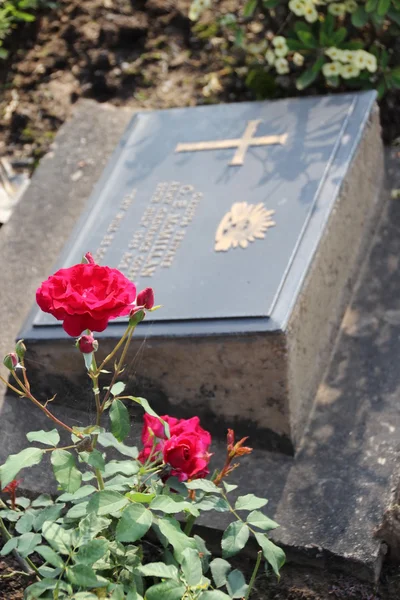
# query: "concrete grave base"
[331,496]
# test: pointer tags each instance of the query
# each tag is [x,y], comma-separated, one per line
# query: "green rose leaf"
[170,504]
[9,546]
[249,502]
[16,462]
[191,566]
[65,471]
[124,467]
[258,519]
[34,591]
[142,497]
[83,492]
[213,503]
[171,530]
[96,460]
[77,512]
[219,570]
[274,555]
[91,525]
[117,388]
[42,500]
[159,569]
[108,439]
[120,421]
[229,487]
[49,514]
[107,502]
[135,521]
[234,538]
[25,523]
[50,438]
[168,590]
[27,543]
[10,515]
[236,584]
[59,538]
[50,556]
[204,485]
[84,576]
[91,552]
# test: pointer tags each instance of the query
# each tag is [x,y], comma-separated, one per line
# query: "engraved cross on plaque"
[241,144]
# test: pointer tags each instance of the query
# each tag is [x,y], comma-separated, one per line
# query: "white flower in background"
[310,13]
[282,66]
[350,71]
[270,57]
[256,49]
[213,86]
[371,62]
[298,59]
[346,56]
[360,59]
[334,53]
[332,69]
[280,46]
[351,6]
[197,8]
[337,9]
[297,7]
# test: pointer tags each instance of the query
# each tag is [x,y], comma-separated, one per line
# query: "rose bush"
[90,542]
[86,296]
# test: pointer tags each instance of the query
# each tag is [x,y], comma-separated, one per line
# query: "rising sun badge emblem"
[244,223]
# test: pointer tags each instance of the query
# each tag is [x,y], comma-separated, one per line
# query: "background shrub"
[285,47]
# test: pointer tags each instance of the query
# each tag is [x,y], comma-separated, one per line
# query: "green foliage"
[281,46]
[101,544]
[93,539]
[13,12]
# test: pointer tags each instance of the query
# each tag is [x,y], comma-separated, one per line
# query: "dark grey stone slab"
[155,214]
[274,356]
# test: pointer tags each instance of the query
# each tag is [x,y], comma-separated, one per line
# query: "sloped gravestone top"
[225,210]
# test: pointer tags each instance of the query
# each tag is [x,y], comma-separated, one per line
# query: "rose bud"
[11,361]
[146,298]
[136,316]
[20,348]
[87,344]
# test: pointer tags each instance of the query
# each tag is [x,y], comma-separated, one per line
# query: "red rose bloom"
[187,449]
[153,428]
[86,296]
[188,455]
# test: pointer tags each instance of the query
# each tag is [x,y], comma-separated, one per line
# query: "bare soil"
[140,54]
[297,583]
